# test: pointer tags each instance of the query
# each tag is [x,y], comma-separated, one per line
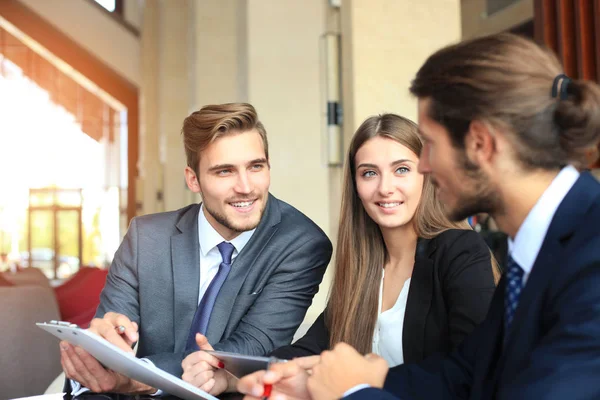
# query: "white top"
[387,340]
[528,241]
[210,257]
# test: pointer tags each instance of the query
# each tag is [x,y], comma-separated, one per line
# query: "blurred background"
[93,94]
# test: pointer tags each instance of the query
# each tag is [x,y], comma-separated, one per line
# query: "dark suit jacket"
[553,349]
[154,280]
[451,287]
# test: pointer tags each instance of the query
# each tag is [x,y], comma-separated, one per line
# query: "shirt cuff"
[77,389]
[158,391]
[356,389]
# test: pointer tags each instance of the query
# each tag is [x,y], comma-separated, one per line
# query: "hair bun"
[578,119]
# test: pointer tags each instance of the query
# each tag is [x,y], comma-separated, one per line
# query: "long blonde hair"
[360,254]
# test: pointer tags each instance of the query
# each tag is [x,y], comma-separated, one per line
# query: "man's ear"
[480,142]
[192,180]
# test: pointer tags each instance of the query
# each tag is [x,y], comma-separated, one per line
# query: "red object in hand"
[221,365]
[267,390]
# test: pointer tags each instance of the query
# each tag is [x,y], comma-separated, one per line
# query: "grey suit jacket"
[154,280]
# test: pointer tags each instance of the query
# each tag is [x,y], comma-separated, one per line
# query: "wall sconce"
[333,135]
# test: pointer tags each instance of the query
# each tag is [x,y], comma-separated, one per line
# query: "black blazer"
[553,349]
[451,287]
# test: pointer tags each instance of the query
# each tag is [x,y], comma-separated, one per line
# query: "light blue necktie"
[202,316]
[514,284]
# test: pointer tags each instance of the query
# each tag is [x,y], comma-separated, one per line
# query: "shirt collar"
[530,236]
[209,238]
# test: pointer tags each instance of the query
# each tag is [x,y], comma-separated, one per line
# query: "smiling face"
[234,179]
[387,181]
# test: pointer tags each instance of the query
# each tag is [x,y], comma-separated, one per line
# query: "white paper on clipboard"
[127,364]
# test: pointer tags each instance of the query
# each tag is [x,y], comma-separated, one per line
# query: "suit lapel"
[418,302]
[567,217]
[488,362]
[185,256]
[241,266]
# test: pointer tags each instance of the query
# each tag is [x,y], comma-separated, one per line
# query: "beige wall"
[150,181]
[219,52]
[133,12]
[284,85]
[95,31]
[174,85]
[386,41]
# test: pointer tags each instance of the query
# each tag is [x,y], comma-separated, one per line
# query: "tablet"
[240,365]
[125,363]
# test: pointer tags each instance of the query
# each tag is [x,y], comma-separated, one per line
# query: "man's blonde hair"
[211,122]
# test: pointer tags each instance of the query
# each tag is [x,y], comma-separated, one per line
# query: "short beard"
[222,219]
[479,197]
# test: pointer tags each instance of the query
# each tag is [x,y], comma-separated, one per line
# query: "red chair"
[78,301]
[83,271]
[5,282]
[83,320]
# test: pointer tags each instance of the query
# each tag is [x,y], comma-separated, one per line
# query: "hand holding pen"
[117,329]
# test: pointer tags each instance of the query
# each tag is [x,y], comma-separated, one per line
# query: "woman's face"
[388,182]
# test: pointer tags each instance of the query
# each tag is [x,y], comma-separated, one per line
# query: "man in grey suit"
[241,268]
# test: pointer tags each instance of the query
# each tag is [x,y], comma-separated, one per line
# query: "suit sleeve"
[315,341]
[120,293]
[566,362]
[276,314]
[468,284]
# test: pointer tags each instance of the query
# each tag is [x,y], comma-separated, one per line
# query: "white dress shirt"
[210,259]
[528,241]
[387,339]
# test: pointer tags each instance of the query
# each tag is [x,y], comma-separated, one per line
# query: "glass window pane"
[41,198]
[42,243]
[68,198]
[68,243]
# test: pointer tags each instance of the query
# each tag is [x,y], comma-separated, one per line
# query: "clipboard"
[120,361]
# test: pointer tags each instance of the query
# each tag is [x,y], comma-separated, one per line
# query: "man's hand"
[288,380]
[117,329]
[82,367]
[342,369]
[205,371]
